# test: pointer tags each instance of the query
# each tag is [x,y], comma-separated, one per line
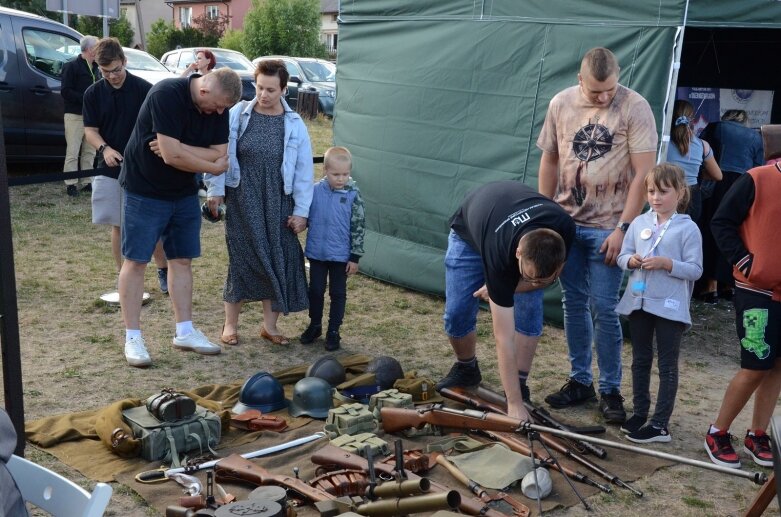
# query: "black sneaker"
[649,434]
[572,393]
[162,279]
[634,423]
[332,340]
[611,405]
[87,188]
[311,333]
[72,191]
[461,376]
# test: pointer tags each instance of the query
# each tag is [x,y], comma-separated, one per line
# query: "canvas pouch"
[421,389]
[350,419]
[167,441]
[389,398]
[356,444]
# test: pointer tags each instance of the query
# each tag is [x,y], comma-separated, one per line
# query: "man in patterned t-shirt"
[598,141]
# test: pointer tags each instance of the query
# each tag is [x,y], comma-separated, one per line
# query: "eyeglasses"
[536,281]
[116,71]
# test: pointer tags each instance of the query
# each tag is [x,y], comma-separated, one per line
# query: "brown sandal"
[277,339]
[232,339]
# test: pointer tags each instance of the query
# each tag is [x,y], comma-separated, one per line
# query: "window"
[212,12]
[185,16]
[48,51]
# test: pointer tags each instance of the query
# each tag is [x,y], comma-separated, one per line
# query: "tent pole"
[672,86]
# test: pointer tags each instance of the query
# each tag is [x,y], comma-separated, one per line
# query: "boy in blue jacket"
[334,244]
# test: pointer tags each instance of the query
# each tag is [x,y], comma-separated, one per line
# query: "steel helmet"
[386,370]
[262,392]
[312,396]
[329,369]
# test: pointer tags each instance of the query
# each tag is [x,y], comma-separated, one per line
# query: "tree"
[287,27]
[211,28]
[158,38]
[119,28]
[232,39]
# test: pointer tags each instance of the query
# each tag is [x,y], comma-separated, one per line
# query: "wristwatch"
[102,148]
[622,226]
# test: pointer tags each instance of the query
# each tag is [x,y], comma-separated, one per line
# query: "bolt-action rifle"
[330,455]
[487,400]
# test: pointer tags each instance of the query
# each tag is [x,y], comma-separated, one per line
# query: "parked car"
[33,50]
[308,73]
[146,66]
[178,60]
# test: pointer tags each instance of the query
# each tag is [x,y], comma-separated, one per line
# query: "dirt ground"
[72,351]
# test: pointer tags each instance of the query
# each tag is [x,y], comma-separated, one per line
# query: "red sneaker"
[758,447]
[719,448]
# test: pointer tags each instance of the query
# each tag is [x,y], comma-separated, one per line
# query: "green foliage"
[118,28]
[233,40]
[287,27]
[204,32]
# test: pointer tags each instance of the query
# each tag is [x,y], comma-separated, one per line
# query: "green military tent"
[436,97]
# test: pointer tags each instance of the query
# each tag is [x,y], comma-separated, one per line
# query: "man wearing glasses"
[507,243]
[110,109]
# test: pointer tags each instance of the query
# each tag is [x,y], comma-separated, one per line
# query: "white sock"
[183,328]
[713,429]
[130,334]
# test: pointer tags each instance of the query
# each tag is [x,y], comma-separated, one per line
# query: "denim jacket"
[297,169]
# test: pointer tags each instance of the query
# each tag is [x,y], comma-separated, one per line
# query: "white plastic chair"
[55,494]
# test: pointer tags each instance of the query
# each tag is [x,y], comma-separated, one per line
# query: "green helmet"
[329,369]
[312,396]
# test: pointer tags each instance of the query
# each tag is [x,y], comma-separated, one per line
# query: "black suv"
[178,60]
[309,74]
[33,50]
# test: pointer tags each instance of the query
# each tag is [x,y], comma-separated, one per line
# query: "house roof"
[329,6]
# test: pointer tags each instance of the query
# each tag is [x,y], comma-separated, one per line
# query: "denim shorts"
[146,220]
[463,276]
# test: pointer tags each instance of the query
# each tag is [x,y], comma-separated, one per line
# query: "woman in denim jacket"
[267,191]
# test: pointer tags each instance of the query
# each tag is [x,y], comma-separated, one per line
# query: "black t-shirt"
[114,110]
[168,110]
[494,217]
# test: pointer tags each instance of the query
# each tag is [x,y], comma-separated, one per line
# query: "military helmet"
[262,392]
[328,368]
[386,370]
[312,396]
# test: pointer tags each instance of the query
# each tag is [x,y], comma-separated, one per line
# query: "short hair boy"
[334,244]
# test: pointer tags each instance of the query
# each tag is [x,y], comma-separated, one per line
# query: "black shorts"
[758,322]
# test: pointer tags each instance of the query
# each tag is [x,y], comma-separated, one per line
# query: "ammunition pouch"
[168,440]
[350,419]
[342,483]
[389,398]
[421,389]
[254,420]
[356,444]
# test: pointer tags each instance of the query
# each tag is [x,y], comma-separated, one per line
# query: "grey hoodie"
[666,294]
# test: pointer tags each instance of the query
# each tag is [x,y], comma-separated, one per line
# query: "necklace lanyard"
[90,70]
[661,233]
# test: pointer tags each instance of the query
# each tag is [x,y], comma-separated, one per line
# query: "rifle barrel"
[757,477]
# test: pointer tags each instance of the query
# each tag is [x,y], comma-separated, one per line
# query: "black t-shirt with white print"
[494,217]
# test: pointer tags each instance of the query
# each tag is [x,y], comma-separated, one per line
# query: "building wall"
[151,11]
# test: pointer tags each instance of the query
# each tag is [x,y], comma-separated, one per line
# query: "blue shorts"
[146,220]
[463,276]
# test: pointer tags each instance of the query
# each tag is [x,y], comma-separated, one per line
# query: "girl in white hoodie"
[663,251]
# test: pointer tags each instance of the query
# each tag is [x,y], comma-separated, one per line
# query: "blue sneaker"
[162,277]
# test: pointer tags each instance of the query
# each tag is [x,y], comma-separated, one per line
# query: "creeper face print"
[754,323]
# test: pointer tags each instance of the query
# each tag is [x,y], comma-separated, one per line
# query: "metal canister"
[270,493]
[252,508]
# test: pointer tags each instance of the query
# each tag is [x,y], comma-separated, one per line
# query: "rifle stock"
[332,455]
[237,469]
[400,419]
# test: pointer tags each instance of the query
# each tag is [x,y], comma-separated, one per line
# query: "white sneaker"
[135,352]
[196,342]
